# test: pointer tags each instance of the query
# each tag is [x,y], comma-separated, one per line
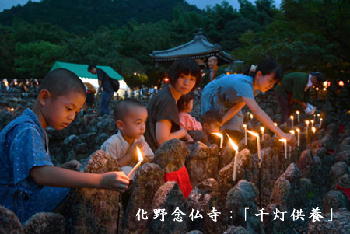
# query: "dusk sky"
[7,4]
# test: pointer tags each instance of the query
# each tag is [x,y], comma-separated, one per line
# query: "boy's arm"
[265,119]
[60,177]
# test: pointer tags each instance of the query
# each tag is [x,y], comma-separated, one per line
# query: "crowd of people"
[30,183]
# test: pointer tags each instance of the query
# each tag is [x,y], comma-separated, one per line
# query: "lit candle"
[321,121]
[235,147]
[140,159]
[318,116]
[262,129]
[220,136]
[290,147]
[245,134]
[258,145]
[251,116]
[307,122]
[297,112]
[275,124]
[285,146]
[292,120]
[298,136]
[312,122]
[313,129]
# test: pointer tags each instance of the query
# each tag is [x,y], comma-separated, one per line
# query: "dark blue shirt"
[24,145]
[104,78]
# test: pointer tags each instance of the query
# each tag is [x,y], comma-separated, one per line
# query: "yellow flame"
[307,122]
[318,115]
[217,134]
[253,133]
[275,124]
[297,112]
[262,129]
[283,139]
[292,132]
[139,154]
[245,126]
[313,129]
[312,121]
[251,116]
[291,117]
[232,143]
[297,129]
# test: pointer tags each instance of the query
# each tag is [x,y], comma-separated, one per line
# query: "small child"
[211,122]
[26,172]
[130,117]
[185,106]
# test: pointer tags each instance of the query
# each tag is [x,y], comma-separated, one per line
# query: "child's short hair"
[61,81]
[184,100]
[211,116]
[123,107]
[184,66]
[90,67]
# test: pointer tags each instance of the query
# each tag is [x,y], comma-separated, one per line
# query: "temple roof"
[199,47]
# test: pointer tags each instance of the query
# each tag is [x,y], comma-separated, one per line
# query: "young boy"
[130,117]
[26,170]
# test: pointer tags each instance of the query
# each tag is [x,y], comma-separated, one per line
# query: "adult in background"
[105,85]
[213,70]
[294,88]
[231,93]
[163,122]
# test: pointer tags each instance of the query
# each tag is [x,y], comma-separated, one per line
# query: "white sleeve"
[111,146]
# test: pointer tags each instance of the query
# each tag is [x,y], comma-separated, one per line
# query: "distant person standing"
[294,88]
[105,85]
[213,70]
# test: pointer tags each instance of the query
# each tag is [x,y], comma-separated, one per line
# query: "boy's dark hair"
[184,100]
[267,66]
[123,107]
[211,116]
[320,77]
[184,66]
[90,67]
[61,81]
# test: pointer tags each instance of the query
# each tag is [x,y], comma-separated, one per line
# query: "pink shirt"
[189,123]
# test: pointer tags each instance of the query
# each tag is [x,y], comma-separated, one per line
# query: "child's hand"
[188,137]
[114,181]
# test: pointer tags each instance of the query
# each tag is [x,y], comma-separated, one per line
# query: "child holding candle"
[231,93]
[29,182]
[185,106]
[130,117]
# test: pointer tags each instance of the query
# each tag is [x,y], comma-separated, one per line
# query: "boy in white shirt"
[130,117]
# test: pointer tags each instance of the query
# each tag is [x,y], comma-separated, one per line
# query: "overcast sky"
[7,4]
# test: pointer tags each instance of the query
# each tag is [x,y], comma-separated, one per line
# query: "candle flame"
[292,132]
[291,117]
[245,126]
[307,122]
[297,112]
[218,134]
[313,129]
[253,133]
[232,143]
[297,129]
[262,129]
[283,139]
[312,121]
[275,124]
[139,154]
[318,115]
[251,116]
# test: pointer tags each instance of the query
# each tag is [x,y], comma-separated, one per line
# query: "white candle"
[312,122]
[262,129]
[321,121]
[307,122]
[298,136]
[140,159]
[235,147]
[220,136]
[292,120]
[285,146]
[245,134]
[258,146]
[297,112]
